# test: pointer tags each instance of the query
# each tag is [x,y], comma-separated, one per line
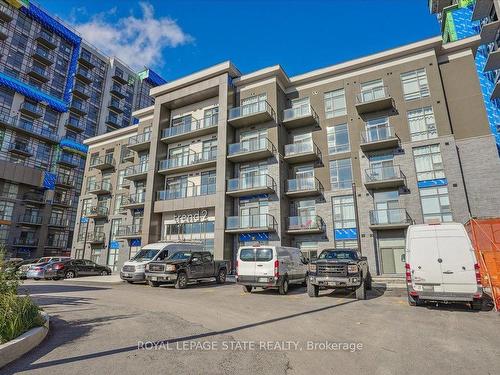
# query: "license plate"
[127,275]
[154,278]
[262,279]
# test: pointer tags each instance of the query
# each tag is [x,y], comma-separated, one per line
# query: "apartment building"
[346,155]
[55,91]
[461,19]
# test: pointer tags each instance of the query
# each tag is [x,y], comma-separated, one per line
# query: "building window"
[422,124]
[436,204]
[4,233]
[9,190]
[6,209]
[341,174]
[415,85]
[428,162]
[343,212]
[335,104]
[118,204]
[338,139]
[309,249]
[372,90]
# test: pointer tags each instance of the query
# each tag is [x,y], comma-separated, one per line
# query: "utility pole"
[356,217]
[85,237]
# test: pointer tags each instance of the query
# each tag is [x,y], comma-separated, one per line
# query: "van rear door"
[246,261]
[459,275]
[264,262]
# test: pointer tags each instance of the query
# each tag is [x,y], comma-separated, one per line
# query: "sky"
[176,38]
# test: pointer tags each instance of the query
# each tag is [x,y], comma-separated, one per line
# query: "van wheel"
[182,281]
[247,288]
[361,291]
[283,287]
[221,276]
[477,305]
[369,281]
[154,284]
[312,290]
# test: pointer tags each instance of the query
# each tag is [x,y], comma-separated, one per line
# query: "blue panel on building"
[49,180]
[84,220]
[135,242]
[114,245]
[259,236]
[259,196]
[345,234]
[431,183]
[154,78]
[72,145]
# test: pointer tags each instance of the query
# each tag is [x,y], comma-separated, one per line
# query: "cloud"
[138,41]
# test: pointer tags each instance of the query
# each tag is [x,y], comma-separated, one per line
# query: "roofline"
[215,70]
[111,135]
[143,112]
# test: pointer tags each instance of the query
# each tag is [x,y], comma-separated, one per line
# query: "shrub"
[18,314]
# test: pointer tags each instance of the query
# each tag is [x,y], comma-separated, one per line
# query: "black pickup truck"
[339,269]
[183,267]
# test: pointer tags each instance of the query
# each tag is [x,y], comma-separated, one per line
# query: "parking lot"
[211,329]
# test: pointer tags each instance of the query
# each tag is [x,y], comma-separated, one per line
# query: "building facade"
[55,91]
[352,153]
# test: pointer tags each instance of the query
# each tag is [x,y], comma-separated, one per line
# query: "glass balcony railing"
[38,129]
[75,124]
[93,237]
[391,216]
[85,74]
[99,186]
[380,174]
[372,94]
[69,159]
[38,72]
[30,218]
[26,241]
[251,182]
[303,184]
[129,230]
[100,161]
[303,147]
[191,126]
[179,192]
[139,138]
[31,108]
[58,222]
[44,54]
[250,222]
[305,223]
[136,169]
[96,211]
[378,133]
[187,160]
[79,106]
[20,148]
[65,180]
[251,109]
[304,110]
[253,145]
[138,197]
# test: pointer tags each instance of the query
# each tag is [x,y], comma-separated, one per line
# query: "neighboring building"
[231,159]
[461,19]
[55,91]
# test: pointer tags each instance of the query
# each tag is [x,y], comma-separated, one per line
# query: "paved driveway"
[210,329]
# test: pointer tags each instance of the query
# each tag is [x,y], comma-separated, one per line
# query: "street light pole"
[356,216]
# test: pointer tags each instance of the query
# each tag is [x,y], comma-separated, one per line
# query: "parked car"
[441,265]
[36,270]
[339,269]
[75,268]
[134,269]
[13,265]
[270,267]
[184,267]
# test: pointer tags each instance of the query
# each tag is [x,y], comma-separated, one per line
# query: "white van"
[134,269]
[270,266]
[441,265]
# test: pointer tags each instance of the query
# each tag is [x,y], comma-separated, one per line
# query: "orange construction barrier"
[485,237]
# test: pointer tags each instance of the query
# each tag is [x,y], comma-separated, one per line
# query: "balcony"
[36,129]
[4,31]
[378,138]
[96,212]
[127,155]
[93,238]
[43,56]
[21,149]
[38,73]
[118,91]
[69,160]
[384,177]
[188,162]
[302,152]
[61,201]
[305,225]
[254,149]
[251,223]
[393,218]
[180,192]
[99,188]
[47,39]
[81,91]
[102,162]
[250,185]
[26,242]
[30,219]
[251,114]
[58,222]
[137,172]
[116,106]
[374,100]
[129,231]
[75,124]
[195,128]
[481,10]
[56,243]
[303,187]
[114,121]
[303,115]
[489,29]
[86,59]
[6,13]
[119,76]
[139,142]
[31,109]
[34,197]
[84,75]
[79,107]
[65,181]
[135,200]
[493,60]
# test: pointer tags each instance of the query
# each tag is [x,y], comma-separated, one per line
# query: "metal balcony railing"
[75,124]
[251,182]
[26,241]
[31,108]
[139,138]
[65,180]
[99,186]
[107,159]
[58,221]
[390,216]
[38,129]
[69,159]
[136,169]
[93,237]
[20,148]
[379,174]
[179,192]
[129,230]
[31,219]
[135,198]
[189,159]
[96,211]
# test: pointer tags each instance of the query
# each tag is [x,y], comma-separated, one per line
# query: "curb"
[19,346]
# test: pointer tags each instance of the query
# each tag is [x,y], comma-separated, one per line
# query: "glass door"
[253,140]
[304,177]
[382,167]
[387,207]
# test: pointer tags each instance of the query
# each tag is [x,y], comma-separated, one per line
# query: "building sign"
[194,217]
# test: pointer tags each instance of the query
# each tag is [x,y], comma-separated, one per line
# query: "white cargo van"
[441,265]
[134,269]
[270,266]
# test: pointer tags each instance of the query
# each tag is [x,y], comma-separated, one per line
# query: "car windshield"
[145,254]
[43,260]
[181,255]
[339,254]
